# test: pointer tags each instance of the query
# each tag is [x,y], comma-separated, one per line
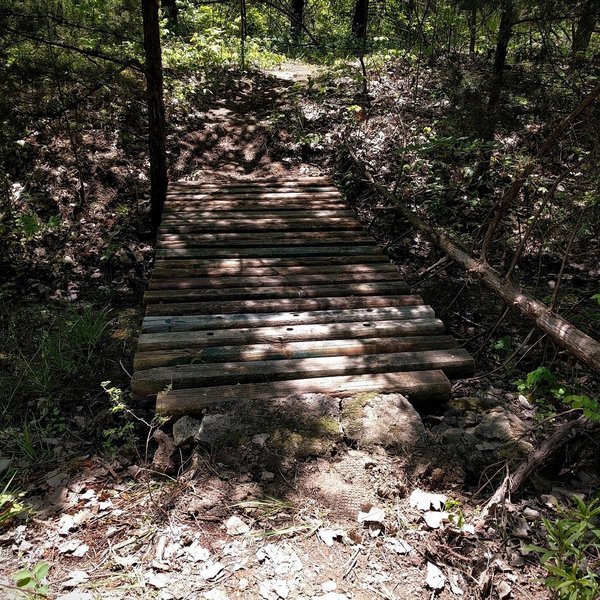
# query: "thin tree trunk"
[297,20]
[504,35]
[361,17]
[472,22]
[243,33]
[171,12]
[584,28]
[156,111]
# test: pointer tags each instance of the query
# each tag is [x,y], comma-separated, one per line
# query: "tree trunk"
[361,17]
[565,334]
[297,20]
[472,22]
[156,111]
[584,28]
[504,35]
[171,12]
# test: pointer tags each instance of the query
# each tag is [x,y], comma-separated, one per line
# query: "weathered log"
[565,334]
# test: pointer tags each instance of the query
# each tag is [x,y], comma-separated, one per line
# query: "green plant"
[572,552]
[64,349]
[11,506]
[31,582]
[543,387]
[123,436]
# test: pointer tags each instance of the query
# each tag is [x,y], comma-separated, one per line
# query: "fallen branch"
[565,334]
[537,459]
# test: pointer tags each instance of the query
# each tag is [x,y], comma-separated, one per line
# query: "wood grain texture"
[271,287]
[430,387]
[454,362]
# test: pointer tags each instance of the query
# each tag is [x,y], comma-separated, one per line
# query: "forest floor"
[118,511]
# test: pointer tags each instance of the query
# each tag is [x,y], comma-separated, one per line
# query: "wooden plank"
[419,387]
[177,282]
[279,182]
[290,350]
[163,269]
[283,304]
[192,204]
[232,321]
[267,252]
[240,264]
[314,291]
[454,362]
[290,333]
[311,196]
[210,215]
[272,238]
[214,225]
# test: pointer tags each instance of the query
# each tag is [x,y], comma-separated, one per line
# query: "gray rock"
[220,429]
[500,424]
[387,420]
[185,430]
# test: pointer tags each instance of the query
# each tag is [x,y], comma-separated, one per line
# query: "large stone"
[387,420]
[500,424]
[221,430]
[185,430]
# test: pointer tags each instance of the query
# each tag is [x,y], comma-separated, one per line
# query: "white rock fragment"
[260,439]
[373,515]
[196,553]
[212,571]
[435,578]
[157,580]
[215,594]
[328,536]
[328,586]
[398,546]
[435,519]
[75,578]
[235,526]
[426,501]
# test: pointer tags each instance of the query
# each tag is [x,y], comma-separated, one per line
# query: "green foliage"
[542,386]
[30,582]
[66,348]
[122,436]
[11,504]
[572,551]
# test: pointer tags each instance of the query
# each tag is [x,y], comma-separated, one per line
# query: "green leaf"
[41,570]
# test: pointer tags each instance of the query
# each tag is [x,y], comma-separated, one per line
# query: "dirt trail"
[248,133]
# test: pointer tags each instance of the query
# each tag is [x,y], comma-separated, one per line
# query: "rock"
[76,596]
[220,429]
[500,424]
[387,420]
[185,430]
[235,526]
[163,457]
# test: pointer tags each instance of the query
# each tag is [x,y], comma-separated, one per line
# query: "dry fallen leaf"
[435,519]
[426,501]
[435,578]
[374,515]
[235,526]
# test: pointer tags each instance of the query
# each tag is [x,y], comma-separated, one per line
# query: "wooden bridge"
[271,287]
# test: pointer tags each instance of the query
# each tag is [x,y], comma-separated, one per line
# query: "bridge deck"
[266,288]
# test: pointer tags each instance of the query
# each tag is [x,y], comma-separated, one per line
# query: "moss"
[467,403]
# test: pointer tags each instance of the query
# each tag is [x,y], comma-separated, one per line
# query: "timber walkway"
[271,287]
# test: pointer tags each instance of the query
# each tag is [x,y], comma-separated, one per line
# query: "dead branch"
[565,334]
[536,460]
